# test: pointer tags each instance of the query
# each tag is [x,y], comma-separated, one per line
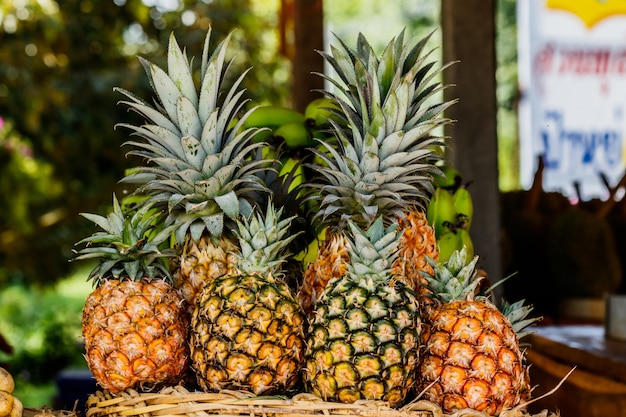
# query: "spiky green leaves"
[372,252]
[263,240]
[128,245]
[455,279]
[518,315]
[284,180]
[199,167]
[385,161]
[387,93]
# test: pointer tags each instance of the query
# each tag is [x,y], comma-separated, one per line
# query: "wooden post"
[468,29]
[309,38]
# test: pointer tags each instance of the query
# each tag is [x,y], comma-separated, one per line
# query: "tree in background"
[507,91]
[59,151]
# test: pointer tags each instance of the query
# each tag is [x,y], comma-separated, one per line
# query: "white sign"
[572,73]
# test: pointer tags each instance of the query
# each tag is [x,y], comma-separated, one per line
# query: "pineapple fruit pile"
[10,405]
[199,281]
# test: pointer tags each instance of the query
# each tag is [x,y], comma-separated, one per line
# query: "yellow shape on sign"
[590,11]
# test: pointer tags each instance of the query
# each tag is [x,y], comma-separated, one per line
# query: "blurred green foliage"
[349,17]
[43,326]
[507,94]
[59,152]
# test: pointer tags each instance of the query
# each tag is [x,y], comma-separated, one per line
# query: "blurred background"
[60,154]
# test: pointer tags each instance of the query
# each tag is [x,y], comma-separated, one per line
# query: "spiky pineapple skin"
[247,334]
[330,262]
[471,358]
[418,243]
[201,262]
[363,343]
[135,333]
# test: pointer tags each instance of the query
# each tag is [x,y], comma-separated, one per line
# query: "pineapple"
[364,337]
[471,356]
[134,323]
[201,165]
[385,162]
[247,329]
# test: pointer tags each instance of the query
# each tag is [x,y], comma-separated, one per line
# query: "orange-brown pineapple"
[471,354]
[134,323]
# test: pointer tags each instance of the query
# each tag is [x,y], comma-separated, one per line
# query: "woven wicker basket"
[179,402]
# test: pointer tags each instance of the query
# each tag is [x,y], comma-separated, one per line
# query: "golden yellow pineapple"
[201,165]
[385,161]
[471,356]
[247,329]
[134,323]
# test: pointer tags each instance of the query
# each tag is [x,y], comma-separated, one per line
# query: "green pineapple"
[247,329]
[134,323]
[364,337]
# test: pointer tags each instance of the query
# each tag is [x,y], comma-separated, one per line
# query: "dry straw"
[179,402]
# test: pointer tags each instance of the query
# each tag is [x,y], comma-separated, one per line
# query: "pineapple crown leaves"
[372,251]
[386,157]
[263,239]
[455,279]
[197,150]
[282,189]
[387,93]
[128,245]
[518,315]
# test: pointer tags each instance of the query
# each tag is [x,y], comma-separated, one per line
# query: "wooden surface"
[583,346]
[590,368]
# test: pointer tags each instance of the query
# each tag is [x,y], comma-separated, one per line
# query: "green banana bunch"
[295,135]
[450,213]
[283,125]
[319,111]
[453,240]
[272,117]
[447,243]
[289,164]
[440,213]
[464,207]
[451,178]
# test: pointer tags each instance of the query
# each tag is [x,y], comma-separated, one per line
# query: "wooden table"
[596,385]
